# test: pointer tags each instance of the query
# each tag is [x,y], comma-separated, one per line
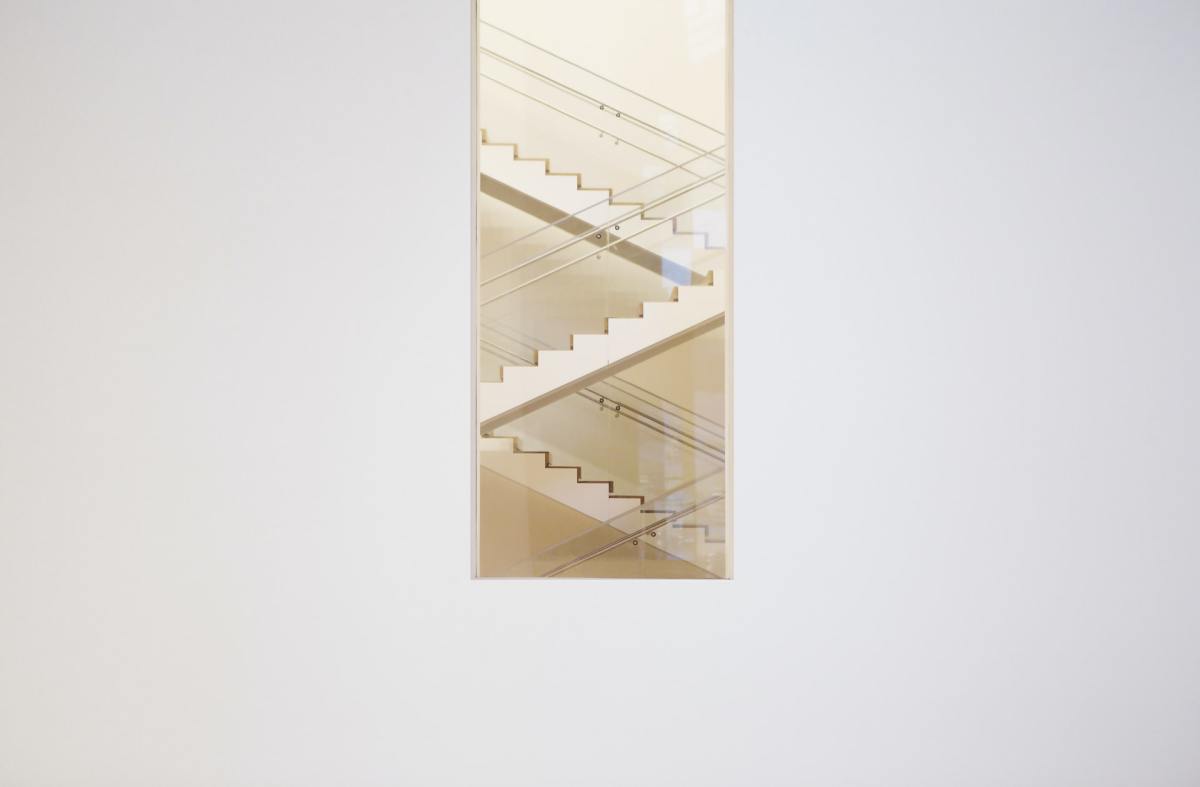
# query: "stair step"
[534,469]
[555,370]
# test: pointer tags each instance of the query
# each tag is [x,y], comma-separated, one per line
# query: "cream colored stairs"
[592,357]
[565,484]
[708,222]
[688,524]
[533,176]
[666,232]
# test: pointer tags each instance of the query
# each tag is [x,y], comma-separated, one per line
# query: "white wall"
[235,442]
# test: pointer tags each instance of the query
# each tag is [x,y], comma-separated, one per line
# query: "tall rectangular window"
[602,289]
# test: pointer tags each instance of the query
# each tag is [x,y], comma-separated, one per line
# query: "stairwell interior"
[603,282]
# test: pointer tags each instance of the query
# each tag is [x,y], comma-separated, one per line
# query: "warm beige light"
[603,288]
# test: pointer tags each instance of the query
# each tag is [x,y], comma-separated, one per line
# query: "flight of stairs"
[674,523]
[594,356]
[619,219]
[565,484]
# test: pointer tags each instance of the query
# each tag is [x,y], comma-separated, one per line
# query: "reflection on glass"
[602,288]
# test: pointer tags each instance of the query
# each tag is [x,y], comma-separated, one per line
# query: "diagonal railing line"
[578,119]
[668,401]
[656,425]
[621,114]
[642,96]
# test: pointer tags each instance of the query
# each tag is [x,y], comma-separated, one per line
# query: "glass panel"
[602,276]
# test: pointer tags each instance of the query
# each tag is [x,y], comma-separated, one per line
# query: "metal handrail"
[607,246]
[668,414]
[548,105]
[716,424]
[606,200]
[601,76]
[621,408]
[595,102]
[634,535]
[605,225]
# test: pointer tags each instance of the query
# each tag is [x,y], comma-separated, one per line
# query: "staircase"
[551,282]
[694,307]
[665,242]
[565,484]
[531,184]
[672,523]
[687,524]
[592,357]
